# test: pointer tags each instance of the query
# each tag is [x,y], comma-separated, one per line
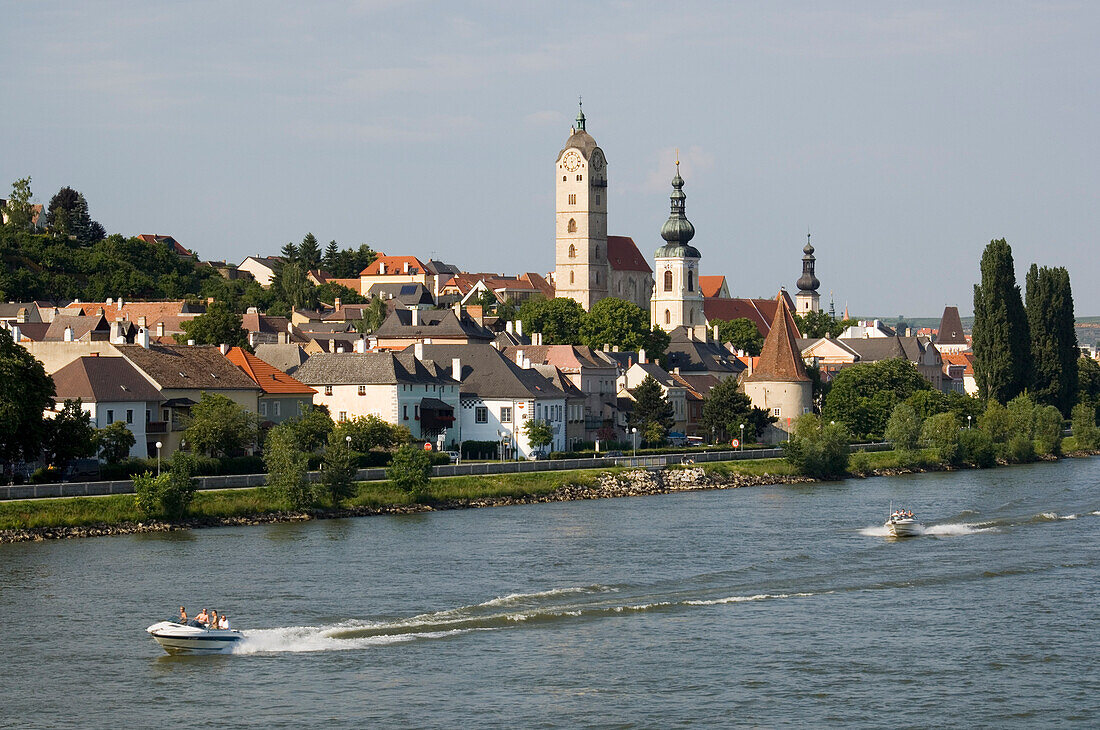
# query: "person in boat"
[213,619]
[183,615]
[223,622]
[203,617]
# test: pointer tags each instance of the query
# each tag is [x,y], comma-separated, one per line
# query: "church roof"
[951,329]
[711,285]
[623,255]
[760,312]
[780,359]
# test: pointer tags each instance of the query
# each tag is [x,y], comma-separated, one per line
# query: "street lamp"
[348,439]
[968,417]
[159,444]
[634,436]
[741,443]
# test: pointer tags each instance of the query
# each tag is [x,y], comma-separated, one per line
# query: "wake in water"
[953,529]
[515,609]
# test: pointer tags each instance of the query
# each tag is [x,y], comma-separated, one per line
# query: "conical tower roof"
[780,359]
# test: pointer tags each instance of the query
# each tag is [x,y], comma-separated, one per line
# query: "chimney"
[615,348]
[252,337]
[116,332]
[456,368]
[336,304]
[361,344]
[190,343]
[68,336]
[120,303]
[110,301]
[406,267]
[415,316]
[21,315]
[290,328]
[252,310]
[715,332]
[381,267]
[508,327]
[143,338]
[519,358]
[160,329]
[15,333]
[526,363]
[141,321]
[606,347]
[284,338]
[332,345]
[340,350]
[641,356]
[224,348]
[418,350]
[209,300]
[676,370]
[519,328]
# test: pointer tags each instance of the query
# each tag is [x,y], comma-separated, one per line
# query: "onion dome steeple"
[808,282]
[580,115]
[677,230]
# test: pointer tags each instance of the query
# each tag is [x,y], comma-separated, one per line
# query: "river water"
[763,606]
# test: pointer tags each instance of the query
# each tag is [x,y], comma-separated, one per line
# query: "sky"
[903,135]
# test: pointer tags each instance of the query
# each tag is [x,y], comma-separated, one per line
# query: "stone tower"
[807,299]
[779,383]
[677,300]
[580,267]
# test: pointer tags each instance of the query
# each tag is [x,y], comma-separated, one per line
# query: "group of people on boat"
[901,514]
[205,620]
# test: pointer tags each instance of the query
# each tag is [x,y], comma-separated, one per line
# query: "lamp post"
[634,436]
[968,417]
[741,443]
[348,439]
[159,444]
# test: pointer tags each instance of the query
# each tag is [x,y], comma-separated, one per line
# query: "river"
[763,606]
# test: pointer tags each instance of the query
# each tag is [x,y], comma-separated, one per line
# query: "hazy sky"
[905,135]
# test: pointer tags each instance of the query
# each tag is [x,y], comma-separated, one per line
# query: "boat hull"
[182,639]
[903,528]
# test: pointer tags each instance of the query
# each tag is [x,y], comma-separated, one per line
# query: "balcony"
[156,427]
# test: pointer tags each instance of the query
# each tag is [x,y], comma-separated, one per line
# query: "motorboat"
[902,524]
[193,638]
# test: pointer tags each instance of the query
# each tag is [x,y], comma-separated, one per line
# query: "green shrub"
[147,489]
[1046,430]
[1020,449]
[46,475]
[818,450]
[287,467]
[179,489]
[976,448]
[1085,432]
[338,470]
[411,470]
[860,463]
[903,428]
[941,433]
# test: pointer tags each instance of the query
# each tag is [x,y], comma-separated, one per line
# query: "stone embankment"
[635,483]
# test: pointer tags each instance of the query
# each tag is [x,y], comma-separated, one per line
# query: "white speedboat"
[193,638]
[902,524]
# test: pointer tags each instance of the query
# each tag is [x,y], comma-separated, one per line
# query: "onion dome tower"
[807,299]
[677,300]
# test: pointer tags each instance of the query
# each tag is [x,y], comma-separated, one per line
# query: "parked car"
[455,456]
[611,454]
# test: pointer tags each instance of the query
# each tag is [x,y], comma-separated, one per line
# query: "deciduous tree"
[19,211]
[863,396]
[338,470]
[741,333]
[25,393]
[539,434]
[114,442]
[410,470]
[218,326]
[220,427]
[613,321]
[287,467]
[818,449]
[69,434]
[559,320]
[903,428]
[726,408]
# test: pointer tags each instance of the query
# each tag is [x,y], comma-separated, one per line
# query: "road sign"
[427,446]
[736,443]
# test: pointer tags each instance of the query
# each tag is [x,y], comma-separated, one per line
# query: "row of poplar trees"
[1020,347]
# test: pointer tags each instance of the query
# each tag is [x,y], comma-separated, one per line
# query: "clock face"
[597,161]
[572,161]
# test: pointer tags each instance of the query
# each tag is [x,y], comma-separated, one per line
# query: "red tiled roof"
[394,265]
[711,286]
[172,244]
[760,312]
[623,255]
[268,377]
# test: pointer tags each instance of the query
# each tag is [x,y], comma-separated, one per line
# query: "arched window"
[668,281]
[572,250]
[570,277]
[597,254]
[691,316]
[572,225]
[597,277]
[691,281]
[668,317]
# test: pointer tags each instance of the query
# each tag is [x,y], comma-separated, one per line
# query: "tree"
[741,333]
[941,433]
[928,403]
[329,259]
[114,442]
[539,434]
[726,408]
[1084,427]
[1001,340]
[25,393]
[338,470]
[369,432]
[1046,430]
[373,316]
[818,449]
[350,262]
[170,494]
[295,288]
[218,326]
[19,210]
[67,215]
[289,252]
[287,467]
[559,319]
[904,427]
[69,434]
[863,396]
[311,429]
[821,324]
[220,427]
[613,321]
[1054,351]
[1088,382]
[652,415]
[309,253]
[486,299]
[410,470]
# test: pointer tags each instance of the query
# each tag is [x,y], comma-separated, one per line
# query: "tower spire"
[580,114]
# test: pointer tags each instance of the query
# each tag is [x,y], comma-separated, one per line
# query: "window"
[481,414]
[416,412]
[110,416]
[263,408]
[129,415]
[276,404]
[328,390]
[404,413]
[597,198]
[506,414]
[343,415]
[148,415]
[775,411]
[564,178]
[580,177]
[691,281]
[362,390]
[668,317]
[668,281]
[691,316]
[570,277]
[597,277]
[572,198]
[597,251]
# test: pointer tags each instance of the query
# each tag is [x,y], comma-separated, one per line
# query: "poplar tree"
[1002,344]
[1054,350]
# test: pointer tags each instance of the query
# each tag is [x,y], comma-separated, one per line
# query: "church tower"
[807,299]
[677,300]
[581,268]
